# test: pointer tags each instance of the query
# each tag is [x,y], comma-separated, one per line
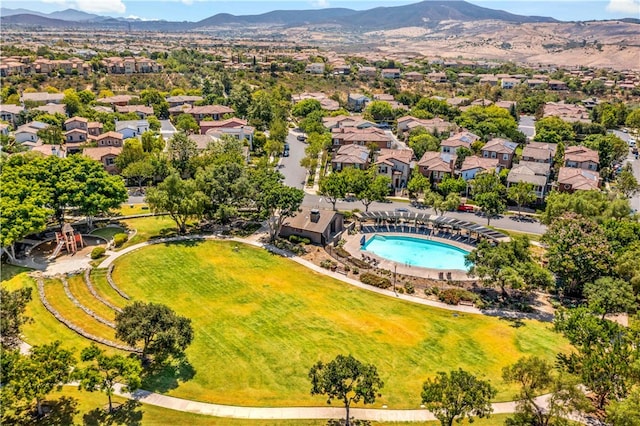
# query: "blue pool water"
[417,252]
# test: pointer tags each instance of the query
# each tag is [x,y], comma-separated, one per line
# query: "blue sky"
[195,10]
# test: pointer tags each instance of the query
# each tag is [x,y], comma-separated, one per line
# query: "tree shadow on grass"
[514,322]
[186,243]
[168,375]
[124,414]
[59,412]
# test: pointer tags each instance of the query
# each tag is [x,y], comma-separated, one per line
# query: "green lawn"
[261,321]
[127,209]
[107,232]
[9,271]
[88,404]
[149,227]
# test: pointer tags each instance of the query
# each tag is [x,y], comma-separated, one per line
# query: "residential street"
[294,174]
[527,125]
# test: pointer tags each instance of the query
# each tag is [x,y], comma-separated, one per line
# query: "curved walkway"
[112,256]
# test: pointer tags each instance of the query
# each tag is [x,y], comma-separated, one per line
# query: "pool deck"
[352,245]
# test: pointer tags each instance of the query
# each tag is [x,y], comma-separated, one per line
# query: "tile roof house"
[472,165]
[357,102]
[567,112]
[462,139]
[571,180]
[10,113]
[502,149]
[52,109]
[437,165]
[408,123]
[347,121]
[581,157]
[104,154]
[43,97]
[183,99]
[132,128]
[120,100]
[396,165]
[29,132]
[413,76]
[110,139]
[364,137]
[141,110]
[216,112]
[233,122]
[539,152]
[355,156]
[76,122]
[390,73]
[535,173]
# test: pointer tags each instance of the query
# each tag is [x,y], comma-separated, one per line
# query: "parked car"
[285,153]
[301,138]
[467,208]
[402,210]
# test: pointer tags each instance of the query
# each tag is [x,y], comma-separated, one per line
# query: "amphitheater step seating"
[104,290]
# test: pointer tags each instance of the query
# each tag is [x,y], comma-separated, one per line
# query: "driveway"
[294,173]
[527,126]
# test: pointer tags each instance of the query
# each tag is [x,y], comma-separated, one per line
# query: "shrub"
[375,280]
[356,271]
[453,296]
[342,252]
[359,263]
[409,288]
[97,252]
[299,240]
[120,238]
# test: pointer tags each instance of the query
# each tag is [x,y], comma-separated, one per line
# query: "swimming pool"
[417,252]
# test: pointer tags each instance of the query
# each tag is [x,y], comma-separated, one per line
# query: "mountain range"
[425,13]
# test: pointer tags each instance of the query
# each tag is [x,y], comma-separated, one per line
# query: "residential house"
[52,109]
[325,102]
[509,83]
[437,77]
[233,122]
[142,111]
[367,71]
[202,141]
[242,133]
[459,140]
[437,165]
[472,165]
[76,122]
[118,100]
[216,112]
[557,85]
[4,129]
[110,139]
[42,98]
[502,149]
[396,165]
[572,179]
[182,100]
[357,102]
[48,150]
[413,76]
[437,124]
[489,79]
[347,121]
[506,105]
[319,226]
[390,73]
[315,68]
[341,69]
[539,152]
[536,174]
[355,156]
[29,132]
[132,128]
[535,83]
[10,113]
[581,157]
[104,154]
[364,137]
[94,129]
[75,135]
[567,112]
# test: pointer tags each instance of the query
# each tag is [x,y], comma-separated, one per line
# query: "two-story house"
[106,155]
[142,111]
[357,102]
[574,179]
[28,133]
[364,137]
[132,128]
[472,165]
[355,156]
[539,152]
[534,173]
[459,140]
[110,139]
[390,73]
[79,123]
[395,164]
[581,157]
[10,113]
[183,100]
[502,149]
[437,165]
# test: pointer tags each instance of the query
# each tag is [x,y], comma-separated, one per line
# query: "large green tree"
[180,198]
[182,150]
[578,252]
[488,192]
[12,317]
[155,327]
[457,395]
[608,295]
[105,371]
[553,130]
[346,379]
[521,193]
[334,187]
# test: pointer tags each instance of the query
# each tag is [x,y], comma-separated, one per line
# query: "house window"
[109,161]
[445,149]
[566,186]
[494,155]
[485,154]
[505,157]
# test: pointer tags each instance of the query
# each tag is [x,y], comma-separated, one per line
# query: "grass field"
[89,404]
[149,227]
[261,321]
[127,209]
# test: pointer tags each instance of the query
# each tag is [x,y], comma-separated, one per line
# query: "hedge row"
[375,280]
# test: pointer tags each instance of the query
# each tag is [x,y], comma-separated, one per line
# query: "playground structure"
[67,239]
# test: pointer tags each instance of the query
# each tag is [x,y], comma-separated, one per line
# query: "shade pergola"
[439,221]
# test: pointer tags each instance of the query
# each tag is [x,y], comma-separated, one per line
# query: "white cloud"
[320,3]
[187,2]
[92,6]
[140,18]
[631,7]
